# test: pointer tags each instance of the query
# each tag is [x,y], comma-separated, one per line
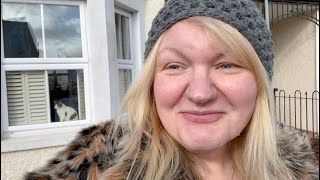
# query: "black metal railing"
[284,9]
[300,111]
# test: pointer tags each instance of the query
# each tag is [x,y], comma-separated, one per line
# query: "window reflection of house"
[18,40]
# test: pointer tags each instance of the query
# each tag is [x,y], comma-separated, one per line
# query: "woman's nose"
[201,89]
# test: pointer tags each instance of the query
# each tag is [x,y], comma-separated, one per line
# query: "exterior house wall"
[151,9]
[295,55]
[15,164]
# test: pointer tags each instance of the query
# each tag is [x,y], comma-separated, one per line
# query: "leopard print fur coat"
[91,153]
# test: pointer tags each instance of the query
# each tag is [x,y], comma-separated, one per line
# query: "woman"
[200,109]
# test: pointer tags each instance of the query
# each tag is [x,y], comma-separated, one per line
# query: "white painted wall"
[151,9]
[295,54]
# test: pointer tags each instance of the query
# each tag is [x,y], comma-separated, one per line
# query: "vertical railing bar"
[292,9]
[272,16]
[312,115]
[306,111]
[297,5]
[284,107]
[311,10]
[300,111]
[290,109]
[307,11]
[317,111]
[300,108]
[301,12]
[275,100]
[282,10]
[295,110]
[315,97]
[277,12]
[287,6]
[279,106]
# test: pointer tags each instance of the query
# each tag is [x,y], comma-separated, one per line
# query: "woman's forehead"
[187,36]
[182,32]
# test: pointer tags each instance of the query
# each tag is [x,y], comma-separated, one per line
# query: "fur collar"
[295,150]
[90,153]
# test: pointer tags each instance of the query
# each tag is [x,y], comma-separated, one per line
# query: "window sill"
[26,140]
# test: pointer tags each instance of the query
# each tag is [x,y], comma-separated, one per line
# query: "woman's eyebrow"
[180,53]
[171,51]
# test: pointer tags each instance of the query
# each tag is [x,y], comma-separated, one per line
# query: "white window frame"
[128,15]
[101,70]
[136,9]
[126,67]
[23,137]
[83,59]
[83,67]
[127,63]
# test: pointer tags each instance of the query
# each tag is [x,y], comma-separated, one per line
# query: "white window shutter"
[37,101]
[16,98]
[81,96]
[26,93]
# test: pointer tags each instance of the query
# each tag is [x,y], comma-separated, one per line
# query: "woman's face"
[204,97]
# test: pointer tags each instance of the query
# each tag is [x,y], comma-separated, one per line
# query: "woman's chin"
[203,147]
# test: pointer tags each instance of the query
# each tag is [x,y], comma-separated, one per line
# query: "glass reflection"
[22,33]
[123,37]
[125,79]
[23,30]
[66,91]
[62,31]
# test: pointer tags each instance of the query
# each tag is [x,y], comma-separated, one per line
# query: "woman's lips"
[202,117]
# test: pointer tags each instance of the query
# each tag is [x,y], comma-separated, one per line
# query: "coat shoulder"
[89,154]
[295,151]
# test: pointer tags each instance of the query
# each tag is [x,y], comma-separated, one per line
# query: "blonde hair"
[146,150]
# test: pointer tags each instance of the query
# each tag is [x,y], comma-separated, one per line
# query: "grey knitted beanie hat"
[241,14]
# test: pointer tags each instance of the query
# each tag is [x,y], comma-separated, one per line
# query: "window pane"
[62,31]
[22,33]
[66,91]
[125,79]
[22,30]
[123,37]
[36,98]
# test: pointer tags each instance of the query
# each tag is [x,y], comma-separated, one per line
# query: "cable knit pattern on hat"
[241,14]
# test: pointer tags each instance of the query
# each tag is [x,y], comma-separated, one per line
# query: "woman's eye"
[227,66]
[174,66]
